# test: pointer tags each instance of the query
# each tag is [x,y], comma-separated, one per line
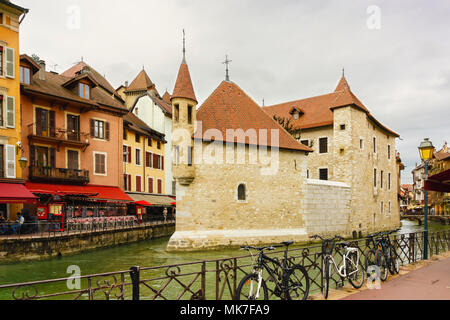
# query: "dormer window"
[25,75]
[296,112]
[296,115]
[84,90]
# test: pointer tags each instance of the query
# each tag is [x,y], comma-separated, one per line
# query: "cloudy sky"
[395,53]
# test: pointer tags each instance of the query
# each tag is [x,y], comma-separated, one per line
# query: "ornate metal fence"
[209,279]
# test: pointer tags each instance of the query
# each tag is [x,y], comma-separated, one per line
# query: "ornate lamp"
[23,161]
[426,150]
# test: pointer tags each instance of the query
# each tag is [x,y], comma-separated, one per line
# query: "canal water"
[144,254]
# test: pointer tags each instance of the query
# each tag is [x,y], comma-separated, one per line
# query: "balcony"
[60,175]
[59,136]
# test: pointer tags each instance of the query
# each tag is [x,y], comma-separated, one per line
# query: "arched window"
[241,192]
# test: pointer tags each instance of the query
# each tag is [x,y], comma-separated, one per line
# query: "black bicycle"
[382,254]
[351,267]
[291,280]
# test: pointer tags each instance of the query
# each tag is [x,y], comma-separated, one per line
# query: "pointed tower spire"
[343,84]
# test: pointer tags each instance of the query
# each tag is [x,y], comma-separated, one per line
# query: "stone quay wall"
[27,248]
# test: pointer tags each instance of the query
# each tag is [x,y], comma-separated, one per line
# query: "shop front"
[152,207]
[62,207]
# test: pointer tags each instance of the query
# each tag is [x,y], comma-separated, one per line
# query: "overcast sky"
[395,53]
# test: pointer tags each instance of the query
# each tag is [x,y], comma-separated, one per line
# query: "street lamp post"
[426,150]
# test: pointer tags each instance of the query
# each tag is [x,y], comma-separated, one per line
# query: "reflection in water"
[145,253]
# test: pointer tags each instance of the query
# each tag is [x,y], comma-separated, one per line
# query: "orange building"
[72,132]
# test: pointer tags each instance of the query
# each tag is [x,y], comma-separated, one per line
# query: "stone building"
[418,174]
[440,201]
[351,146]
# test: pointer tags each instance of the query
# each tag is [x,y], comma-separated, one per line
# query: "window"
[127,182]
[189,114]
[176,158]
[307,173]
[159,182]
[342,126]
[1,61]
[1,111]
[389,206]
[149,142]
[389,151]
[83,90]
[381,179]
[389,181]
[2,161]
[100,163]
[323,145]
[148,159]
[158,144]
[125,154]
[305,142]
[25,75]
[45,122]
[241,192]
[72,159]
[381,207]
[323,174]
[177,113]
[7,61]
[296,115]
[73,127]
[124,134]
[374,145]
[138,156]
[99,129]
[137,138]
[10,163]
[1,18]
[138,184]
[374,177]
[189,156]
[150,185]
[361,143]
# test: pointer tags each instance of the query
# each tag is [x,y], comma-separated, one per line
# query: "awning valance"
[101,193]
[155,200]
[15,193]
[438,182]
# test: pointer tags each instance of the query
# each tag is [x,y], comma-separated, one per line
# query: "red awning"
[438,182]
[105,193]
[143,203]
[15,193]
[173,203]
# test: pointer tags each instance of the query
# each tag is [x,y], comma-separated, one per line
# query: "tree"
[286,124]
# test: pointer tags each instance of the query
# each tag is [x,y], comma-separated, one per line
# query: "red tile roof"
[318,110]
[142,82]
[229,107]
[166,97]
[183,85]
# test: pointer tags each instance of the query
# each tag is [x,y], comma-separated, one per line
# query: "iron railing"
[52,229]
[208,279]
[58,174]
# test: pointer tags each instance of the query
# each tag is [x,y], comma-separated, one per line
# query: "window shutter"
[92,128]
[10,63]
[10,161]
[129,182]
[51,123]
[129,154]
[155,161]
[52,157]
[107,130]
[150,185]
[38,121]
[10,112]
[147,159]
[162,162]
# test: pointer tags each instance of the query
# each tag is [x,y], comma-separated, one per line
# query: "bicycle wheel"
[248,288]
[355,271]
[377,258]
[326,276]
[395,263]
[297,283]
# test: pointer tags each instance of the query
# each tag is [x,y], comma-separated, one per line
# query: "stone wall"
[13,250]
[327,208]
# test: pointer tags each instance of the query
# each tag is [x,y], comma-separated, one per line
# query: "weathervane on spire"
[226,62]
[184,46]
[342,71]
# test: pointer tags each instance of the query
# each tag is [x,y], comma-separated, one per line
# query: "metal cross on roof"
[227,62]
[184,46]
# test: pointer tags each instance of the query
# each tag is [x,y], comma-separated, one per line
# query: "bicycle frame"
[342,269]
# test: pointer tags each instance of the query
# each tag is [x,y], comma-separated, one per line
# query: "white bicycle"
[351,268]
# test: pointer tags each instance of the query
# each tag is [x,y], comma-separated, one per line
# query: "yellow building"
[143,157]
[12,191]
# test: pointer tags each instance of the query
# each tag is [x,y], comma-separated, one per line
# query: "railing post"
[412,255]
[134,274]
[203,280]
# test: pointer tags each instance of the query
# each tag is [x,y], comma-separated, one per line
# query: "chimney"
[126,84]
[42,70]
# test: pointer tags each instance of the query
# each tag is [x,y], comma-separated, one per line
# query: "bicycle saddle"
[287,243]
[344,243]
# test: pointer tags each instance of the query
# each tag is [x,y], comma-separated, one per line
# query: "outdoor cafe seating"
[94,223]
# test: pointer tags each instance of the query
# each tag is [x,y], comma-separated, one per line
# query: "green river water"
[144,254]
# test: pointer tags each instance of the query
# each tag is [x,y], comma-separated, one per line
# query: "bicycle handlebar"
[336,237]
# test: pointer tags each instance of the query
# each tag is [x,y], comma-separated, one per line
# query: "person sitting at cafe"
[19,222]
[3,226]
